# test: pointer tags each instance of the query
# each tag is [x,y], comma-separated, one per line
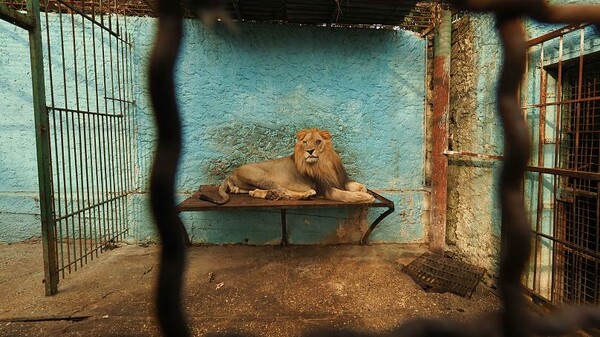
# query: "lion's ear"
[302,133]
[325,134]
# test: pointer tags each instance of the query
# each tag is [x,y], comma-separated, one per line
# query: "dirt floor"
[260,291]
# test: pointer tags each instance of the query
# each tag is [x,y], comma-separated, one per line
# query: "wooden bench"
[246,202]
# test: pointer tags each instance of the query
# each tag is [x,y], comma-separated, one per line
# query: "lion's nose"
[310,152]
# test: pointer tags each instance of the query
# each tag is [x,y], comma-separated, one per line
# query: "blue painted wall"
[243,98]
[19,204]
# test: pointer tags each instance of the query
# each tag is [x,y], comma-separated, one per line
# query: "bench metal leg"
[365,236]
[284,240]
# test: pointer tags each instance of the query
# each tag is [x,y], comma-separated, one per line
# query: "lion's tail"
[222,193]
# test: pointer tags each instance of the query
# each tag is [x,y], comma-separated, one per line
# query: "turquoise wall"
[19,203]
[243,98]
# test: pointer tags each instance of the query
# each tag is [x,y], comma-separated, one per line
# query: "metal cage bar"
[90,109]
[565,263]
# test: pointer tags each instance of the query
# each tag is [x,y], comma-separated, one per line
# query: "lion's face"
[315,157]
[311,145]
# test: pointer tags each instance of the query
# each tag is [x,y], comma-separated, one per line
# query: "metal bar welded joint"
[25,21]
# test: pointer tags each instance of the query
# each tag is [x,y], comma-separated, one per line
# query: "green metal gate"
[83,120]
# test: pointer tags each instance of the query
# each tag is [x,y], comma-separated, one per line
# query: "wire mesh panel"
[561,101]
[90,107]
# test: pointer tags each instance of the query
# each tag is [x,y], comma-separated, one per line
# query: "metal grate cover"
[442,274]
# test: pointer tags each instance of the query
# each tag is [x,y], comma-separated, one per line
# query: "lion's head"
[315,157]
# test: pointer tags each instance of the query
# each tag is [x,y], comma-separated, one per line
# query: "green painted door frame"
[31,22]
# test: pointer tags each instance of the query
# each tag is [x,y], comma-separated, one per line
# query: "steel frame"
[83,131]
[571,143]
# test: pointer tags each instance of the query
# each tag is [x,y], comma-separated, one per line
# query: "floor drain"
[442,274]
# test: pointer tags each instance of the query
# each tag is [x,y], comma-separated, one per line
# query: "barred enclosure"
[560,101]
[90,110]
[90,113]
[85,145]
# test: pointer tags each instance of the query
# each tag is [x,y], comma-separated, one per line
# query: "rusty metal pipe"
[441,107]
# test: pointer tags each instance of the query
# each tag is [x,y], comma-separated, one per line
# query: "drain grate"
[442,274]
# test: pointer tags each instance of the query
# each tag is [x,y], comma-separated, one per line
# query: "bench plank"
[246,202]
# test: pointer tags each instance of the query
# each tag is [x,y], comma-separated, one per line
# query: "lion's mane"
[328,171]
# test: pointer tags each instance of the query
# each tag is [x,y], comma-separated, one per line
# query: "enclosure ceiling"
[411,15]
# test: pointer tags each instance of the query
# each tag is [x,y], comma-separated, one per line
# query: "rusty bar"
[557,152]
[554,34]
[565,172]
[441,103]
[472,155]
[565,102]
[540,162]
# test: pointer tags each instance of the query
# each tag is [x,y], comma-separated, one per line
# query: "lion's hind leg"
[237,190]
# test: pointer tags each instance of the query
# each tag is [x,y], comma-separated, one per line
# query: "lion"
[314,169]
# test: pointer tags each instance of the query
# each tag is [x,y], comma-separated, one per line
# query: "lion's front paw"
[310,193]
[356,187]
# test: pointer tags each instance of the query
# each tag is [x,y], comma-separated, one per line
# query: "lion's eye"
[304,142]
[318,142]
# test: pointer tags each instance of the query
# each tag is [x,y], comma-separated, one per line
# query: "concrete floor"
[260,291]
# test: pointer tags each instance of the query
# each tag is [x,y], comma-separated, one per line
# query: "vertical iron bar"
[118,135]
[86,120]
[96,135]
[104,161]
[42,137]
[111,142]
[56,188]
[76,130]
[130,119]
[557,154]
[579,217]
[284,236]
[540,182]
[67,160]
